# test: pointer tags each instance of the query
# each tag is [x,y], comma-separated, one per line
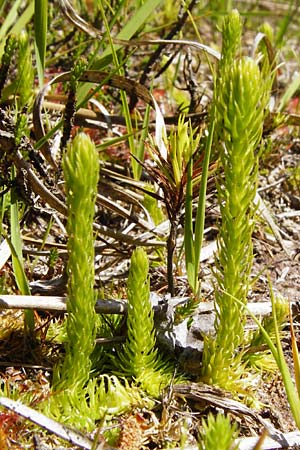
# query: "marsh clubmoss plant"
[26,73]
[217,433]
[240,101]
[70,109]
[101,398]
[139,358]
[81,172]
[231,44]
[9,49]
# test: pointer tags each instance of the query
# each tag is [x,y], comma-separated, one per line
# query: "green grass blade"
[111,142]
[277,352]
[189,248]
[284,25]
[200,216]
[15,244]
[136,21]
[128,31]
[288,94]
[125,105]
[19,25]
[40,35]
[291,392]
[4,205]
[295,353]
[18,267]
[10,19]
[141,147]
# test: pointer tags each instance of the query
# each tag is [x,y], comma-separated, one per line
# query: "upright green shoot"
[139,358]
[241,99]
[193,240]
[182,147]
[9,49]
[81,171]
[25,82]
[218,433]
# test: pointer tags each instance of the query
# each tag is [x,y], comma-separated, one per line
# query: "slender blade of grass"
[133,25]
[277,352]
[10,19]
[136,21]
[141,147]
[295,353]
[15,244]
[18,267]
[40,35]
[200,216]
[291,392]
[288,94]
[123,96]
[284,25]
[189,247]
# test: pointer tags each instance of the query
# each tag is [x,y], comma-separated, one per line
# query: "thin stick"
[56,303]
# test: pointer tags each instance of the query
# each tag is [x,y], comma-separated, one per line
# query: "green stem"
[81,171]
[200,216]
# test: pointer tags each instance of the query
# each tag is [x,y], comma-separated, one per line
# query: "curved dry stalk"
[93,76]
[7,144]
[89,118]
[40,189]
[73,17]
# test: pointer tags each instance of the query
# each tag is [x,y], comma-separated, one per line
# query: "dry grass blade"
[288,440]
[84,26]
[90,76]
[114,207]
[259,443]
[108,306]
[221,399]
[55,303]
[88,118]
[7,143]
[267,216]
[64,432]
